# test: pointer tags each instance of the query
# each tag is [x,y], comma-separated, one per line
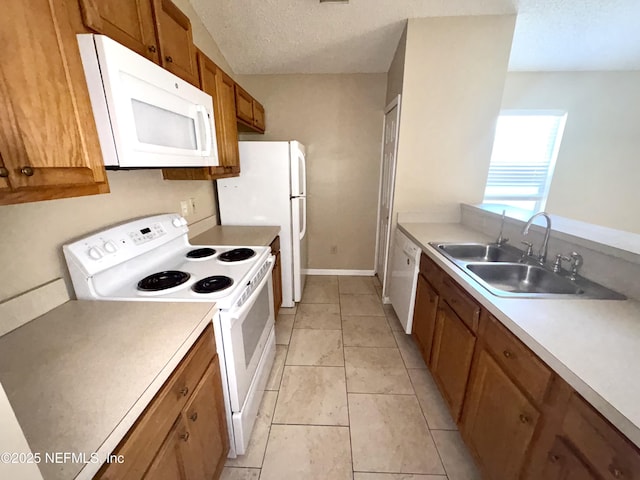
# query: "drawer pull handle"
[185,436]
[507,354]
[524,418]
[4,172]
[616,472]
[194,416]
[184,391]
[553,458]
[28,171]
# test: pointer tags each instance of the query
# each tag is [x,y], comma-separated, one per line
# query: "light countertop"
[237,236]
[594,345]
[79,376]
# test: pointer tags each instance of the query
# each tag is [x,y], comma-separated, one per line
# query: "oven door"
[245,331]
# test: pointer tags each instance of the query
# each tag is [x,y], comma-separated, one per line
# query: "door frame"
[382,276]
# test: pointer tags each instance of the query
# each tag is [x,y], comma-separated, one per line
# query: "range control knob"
[177,222]
[109,247]
[95,253]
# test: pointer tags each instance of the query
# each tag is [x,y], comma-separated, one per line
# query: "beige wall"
[202,38]
[395,75]
[454,73]
[598,167]
[339,119]
[32,234]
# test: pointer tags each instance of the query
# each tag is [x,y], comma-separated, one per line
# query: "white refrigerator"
[272,190]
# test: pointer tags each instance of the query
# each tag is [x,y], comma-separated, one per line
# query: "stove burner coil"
[212,284]
[237,255]
[163,280]
[201,253]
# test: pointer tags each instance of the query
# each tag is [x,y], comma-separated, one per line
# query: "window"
[524,155]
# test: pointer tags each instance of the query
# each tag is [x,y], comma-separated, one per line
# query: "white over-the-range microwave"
[146,116]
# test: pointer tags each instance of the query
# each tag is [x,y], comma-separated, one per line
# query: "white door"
[387,184]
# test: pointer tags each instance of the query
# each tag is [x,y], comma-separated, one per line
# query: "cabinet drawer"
[607,450]
[466,308]
[144,439]
[431,271]
[517,360]
[275,245]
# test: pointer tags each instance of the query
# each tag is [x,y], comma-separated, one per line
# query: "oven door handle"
[240,312]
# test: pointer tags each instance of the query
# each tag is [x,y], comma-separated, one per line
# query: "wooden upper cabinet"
[498,421]
[244,105]
[258,115]
[177,52]
[48,140]
[4,176]
[221,87]
[129,22]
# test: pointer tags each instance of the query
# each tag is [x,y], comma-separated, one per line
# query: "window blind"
[523,158]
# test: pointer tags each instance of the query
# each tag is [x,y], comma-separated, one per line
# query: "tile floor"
[349,397]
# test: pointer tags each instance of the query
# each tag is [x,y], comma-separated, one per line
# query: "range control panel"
[117,244]
[147,234]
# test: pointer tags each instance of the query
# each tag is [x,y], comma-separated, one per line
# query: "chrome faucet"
[542,256]
[500,241]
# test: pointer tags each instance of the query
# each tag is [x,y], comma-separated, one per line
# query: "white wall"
[598,168]
[395,75]
[454,74]
[339,119]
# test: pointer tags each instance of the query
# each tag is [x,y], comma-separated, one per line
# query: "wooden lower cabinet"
[168,464]
[563,464]
[277,277]
[182,434]
[424,317]
[205,442]
[451,357]
[499,421]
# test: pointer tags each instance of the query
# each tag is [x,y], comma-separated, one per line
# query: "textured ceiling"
[304,36]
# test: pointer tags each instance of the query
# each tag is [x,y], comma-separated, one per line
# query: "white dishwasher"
[405,264]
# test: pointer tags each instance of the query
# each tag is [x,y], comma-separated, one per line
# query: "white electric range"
[150,259]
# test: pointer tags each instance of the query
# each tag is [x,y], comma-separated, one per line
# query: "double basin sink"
[506,272]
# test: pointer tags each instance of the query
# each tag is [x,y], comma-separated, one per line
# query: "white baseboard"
[323,271]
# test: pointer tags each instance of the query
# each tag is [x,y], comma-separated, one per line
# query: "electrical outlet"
[192,204]
[333,249]
[184,208]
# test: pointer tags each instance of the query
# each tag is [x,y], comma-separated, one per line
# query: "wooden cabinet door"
[168,464]
[226,124]
[48,137]
[129,22]
[244,105]
[424,317]
[258,116]
[205,449]
[4,176]
[177,52]
[563,464]
[453,345]
[498,421]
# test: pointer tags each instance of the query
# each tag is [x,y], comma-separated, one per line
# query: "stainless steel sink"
[520,278]
[479,252]
[506,272]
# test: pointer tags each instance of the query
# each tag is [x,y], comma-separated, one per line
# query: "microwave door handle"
[207,130]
